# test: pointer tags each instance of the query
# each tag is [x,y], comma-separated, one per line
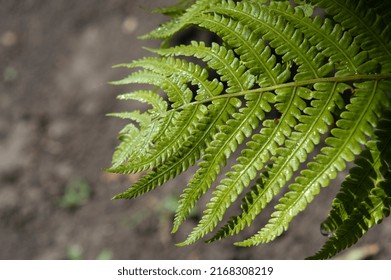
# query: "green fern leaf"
[220,59]
[351,131]
[253,52]
[129,137]
[144,119]
[177,91]
[163,74]
[281,85]
[355,213]
[259,150]
[179,22]
[159,106]
[370,30]
[329,38]
[300,144]
[284,38]
[225,143]
[184,71]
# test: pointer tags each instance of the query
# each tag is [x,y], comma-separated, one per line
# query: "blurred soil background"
[55,140]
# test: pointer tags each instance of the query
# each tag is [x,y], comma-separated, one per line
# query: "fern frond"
[133,140]
[259,150]
[129,137]
[354,189]
[179,129]
[284,38]
[363,23]
[225,143]
[359,183]
[371,212]
[182,70]
[280,85]
[331,39]
[368,206]
[254,54]
[177,91]
[220,59]
[188,153]
[143,119]
[159,106]
[179,22]
[301,142]
[164,74]
[345,143]
[227,66]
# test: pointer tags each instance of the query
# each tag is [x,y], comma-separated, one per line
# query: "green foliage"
[75,252]
[105,254]
[76,193]
[291,96]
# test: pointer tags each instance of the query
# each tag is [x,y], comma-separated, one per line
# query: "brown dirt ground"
[55,62]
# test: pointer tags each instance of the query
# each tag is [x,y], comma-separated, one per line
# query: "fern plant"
[300,94]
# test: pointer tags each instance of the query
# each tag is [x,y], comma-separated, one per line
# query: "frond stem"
[354,78]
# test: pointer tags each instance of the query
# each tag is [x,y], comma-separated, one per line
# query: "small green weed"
[76,193]
[75,252]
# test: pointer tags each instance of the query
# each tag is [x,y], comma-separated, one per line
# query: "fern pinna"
[299,93]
